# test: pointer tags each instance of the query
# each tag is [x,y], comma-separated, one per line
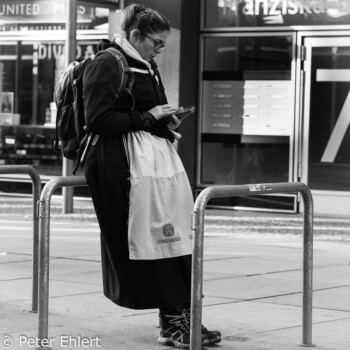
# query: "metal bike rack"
[197,257]
[36,188]
[44,249]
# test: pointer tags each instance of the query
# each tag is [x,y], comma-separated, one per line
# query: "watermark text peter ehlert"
[63,342]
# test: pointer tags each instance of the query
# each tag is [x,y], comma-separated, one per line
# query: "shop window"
[29,73]
[246,54]
[247,119]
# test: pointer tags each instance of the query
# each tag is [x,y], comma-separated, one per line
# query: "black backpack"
[71,133]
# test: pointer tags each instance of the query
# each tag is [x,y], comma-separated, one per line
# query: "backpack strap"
[131,80]
[127,78]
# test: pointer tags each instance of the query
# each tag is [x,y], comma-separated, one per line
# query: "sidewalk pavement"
[252,287]
[217,221]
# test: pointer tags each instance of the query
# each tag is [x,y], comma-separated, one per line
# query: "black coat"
[136,284]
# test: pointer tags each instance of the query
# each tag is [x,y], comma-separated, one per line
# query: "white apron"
[161,200]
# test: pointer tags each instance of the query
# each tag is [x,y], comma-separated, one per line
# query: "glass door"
[326,119]
[246,125]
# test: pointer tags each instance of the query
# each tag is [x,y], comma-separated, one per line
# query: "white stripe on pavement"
[71,223]
[53,229]
[54,238]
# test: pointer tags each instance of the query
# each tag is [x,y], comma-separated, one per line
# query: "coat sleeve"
[101,116]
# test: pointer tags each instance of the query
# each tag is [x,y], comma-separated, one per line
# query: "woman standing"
[134,196]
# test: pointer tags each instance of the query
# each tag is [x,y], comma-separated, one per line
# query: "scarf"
[132,52]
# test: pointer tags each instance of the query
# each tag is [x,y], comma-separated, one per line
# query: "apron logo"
[168,230]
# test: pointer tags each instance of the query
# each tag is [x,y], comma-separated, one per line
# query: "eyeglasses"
[157,44]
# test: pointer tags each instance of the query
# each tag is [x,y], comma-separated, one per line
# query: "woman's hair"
[144,19]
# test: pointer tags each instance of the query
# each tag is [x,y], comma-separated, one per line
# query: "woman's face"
[149,45]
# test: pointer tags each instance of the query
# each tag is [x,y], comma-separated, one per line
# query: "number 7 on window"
[342,124]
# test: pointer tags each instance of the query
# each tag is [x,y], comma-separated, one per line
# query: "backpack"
[71,131]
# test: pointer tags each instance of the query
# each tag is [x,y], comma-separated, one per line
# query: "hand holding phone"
[183,113]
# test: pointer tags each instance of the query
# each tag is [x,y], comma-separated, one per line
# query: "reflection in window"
[31,70]
[244,54]
[268,13]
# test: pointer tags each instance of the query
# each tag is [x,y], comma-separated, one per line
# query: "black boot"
[175,330]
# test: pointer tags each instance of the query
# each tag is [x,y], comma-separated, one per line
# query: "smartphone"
[183,113]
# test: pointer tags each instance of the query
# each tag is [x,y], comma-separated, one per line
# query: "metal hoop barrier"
[44,250]
[197,257]
[36,188]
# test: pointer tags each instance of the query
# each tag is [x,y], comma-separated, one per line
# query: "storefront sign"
[56,51]
[36,10]
[260,13]
[44,15]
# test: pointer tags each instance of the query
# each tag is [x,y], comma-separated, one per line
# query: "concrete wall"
[188,93]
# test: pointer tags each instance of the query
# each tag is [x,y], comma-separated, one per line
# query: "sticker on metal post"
[260,187]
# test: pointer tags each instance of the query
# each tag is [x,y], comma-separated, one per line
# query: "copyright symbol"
[6,342]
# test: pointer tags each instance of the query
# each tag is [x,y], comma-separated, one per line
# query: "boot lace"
[179,321]
[187,316]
